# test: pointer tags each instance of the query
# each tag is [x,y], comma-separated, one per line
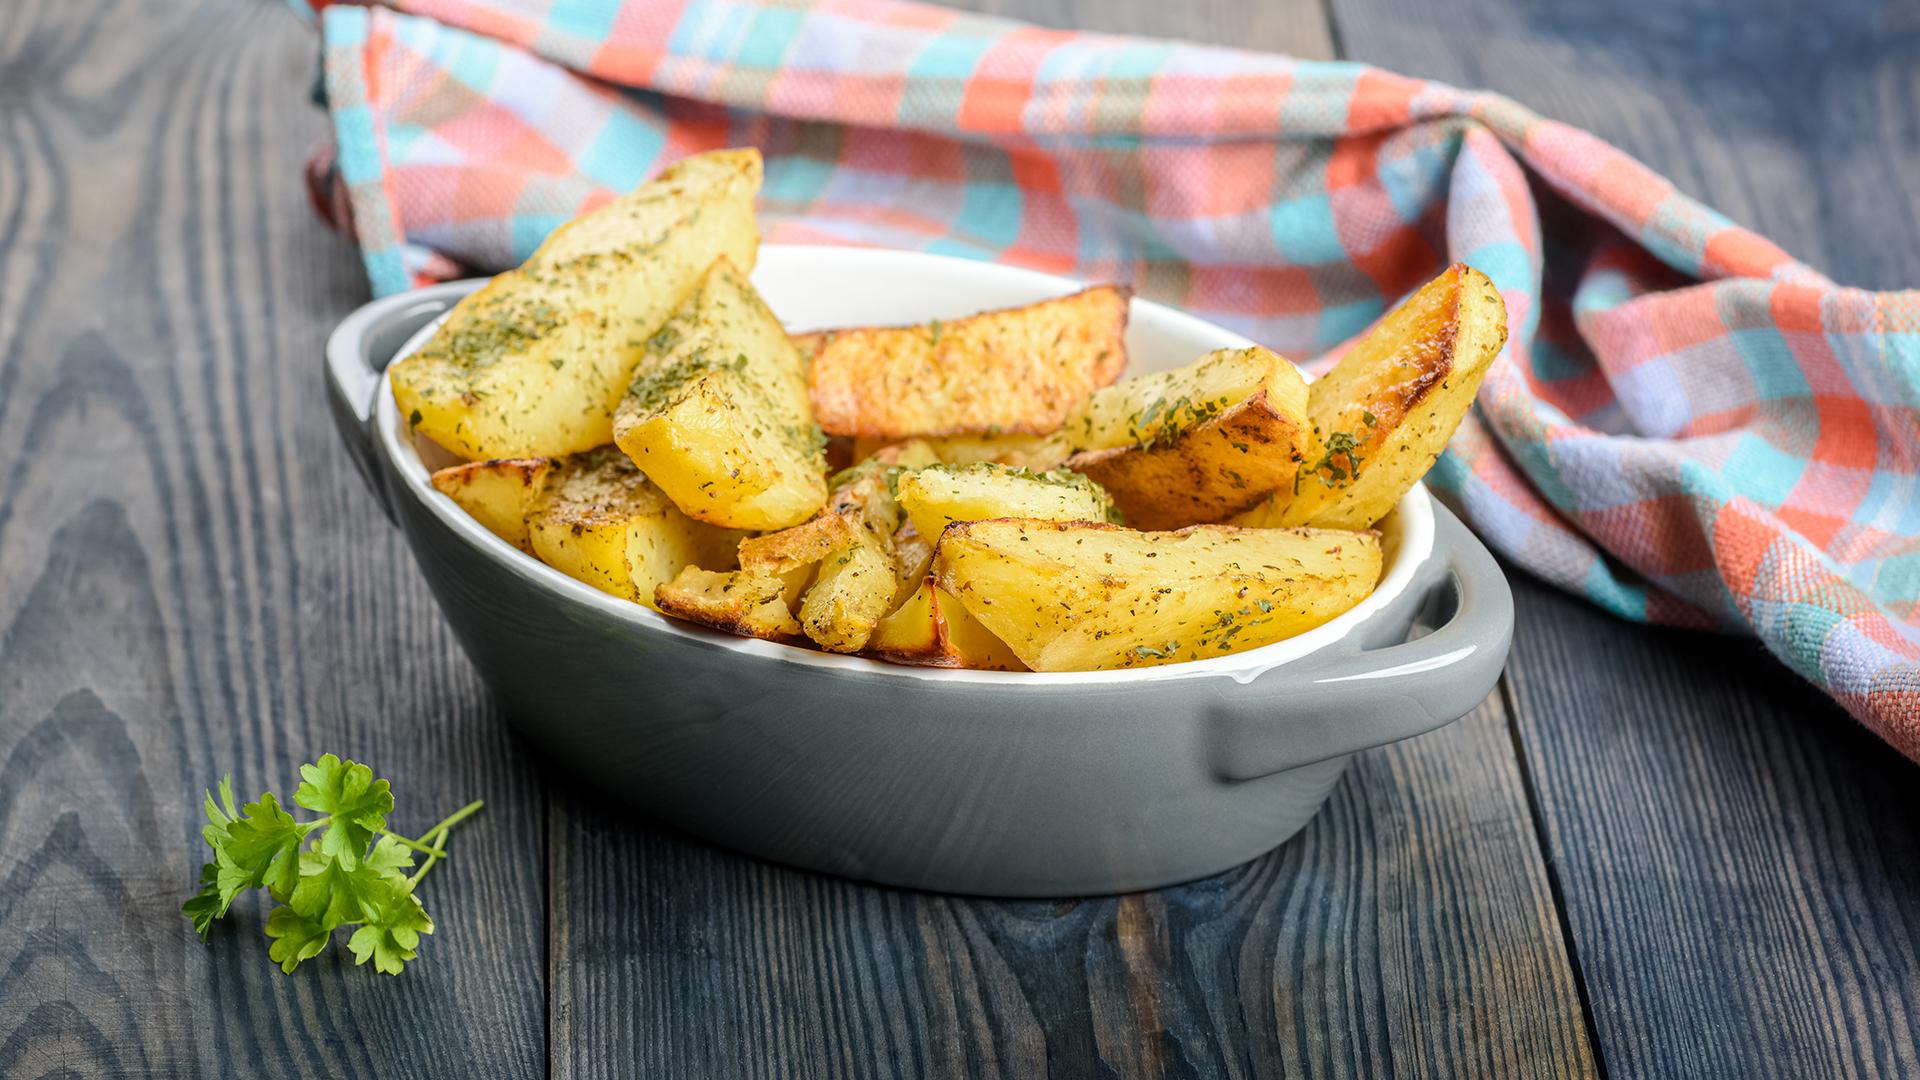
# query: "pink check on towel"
[1687,426]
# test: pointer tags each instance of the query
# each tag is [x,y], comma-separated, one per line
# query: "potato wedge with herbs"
[936,497]
[601,521]
[717,412]
[932,629]
[497,493]
[852,545]
[803,545]
[1382,416]
[1200,463]
[1018,370]
[534,362]
[849,596]
[1036,452]
[745,602]
[1084,597]
[857,583]
[1152,409]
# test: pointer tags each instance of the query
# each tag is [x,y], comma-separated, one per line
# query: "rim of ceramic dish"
[1410,534]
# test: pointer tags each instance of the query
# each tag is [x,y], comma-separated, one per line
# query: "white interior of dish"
[812,288]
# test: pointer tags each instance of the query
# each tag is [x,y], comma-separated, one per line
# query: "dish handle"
[358,352]
[1364,692]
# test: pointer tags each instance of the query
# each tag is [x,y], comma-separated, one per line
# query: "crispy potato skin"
[1080,596]
[1019,370]
[738,601]
[601,521]
[717,412]
[1210,470]
[934,498]
[1215,470]
[533,363]
[1381,417]
[497,493]
[802,545]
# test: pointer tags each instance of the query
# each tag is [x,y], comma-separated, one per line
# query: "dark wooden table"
[1651,853]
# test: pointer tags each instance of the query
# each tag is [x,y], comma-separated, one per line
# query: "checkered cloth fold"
[1687,426]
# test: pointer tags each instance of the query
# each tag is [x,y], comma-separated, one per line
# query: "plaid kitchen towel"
[1687,426]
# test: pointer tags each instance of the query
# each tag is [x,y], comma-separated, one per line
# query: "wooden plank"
[1738,861]
[1792,119]
[1408,931]
[192,580]
[1740,865]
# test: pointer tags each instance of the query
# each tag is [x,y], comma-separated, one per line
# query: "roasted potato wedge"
[912,562]
[717,412]
[1016,370]
[894,457]
[801,546]
[1199,464]
[936,497]
[932,629]
[1382,416]
[1154,409]
[601,521]
[534,362]
[497,493]
[737,601]
[852,543]
[849,595]
[856,584]
[1078,596]
[1036,452]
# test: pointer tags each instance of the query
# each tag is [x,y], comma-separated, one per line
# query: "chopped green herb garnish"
[1338,444]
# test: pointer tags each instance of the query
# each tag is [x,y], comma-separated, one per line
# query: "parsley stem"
[455,818]
[414,844]
[439,839]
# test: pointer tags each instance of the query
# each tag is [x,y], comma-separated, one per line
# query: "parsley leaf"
[262,848]
[219,815]
[389,855]
[391,938]
[325,881]
[295,938]
[356,803]
[205,906]
[332,895]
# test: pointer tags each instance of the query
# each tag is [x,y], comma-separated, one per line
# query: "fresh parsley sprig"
[344,868]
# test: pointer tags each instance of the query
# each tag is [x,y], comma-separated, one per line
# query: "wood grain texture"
[1409,931]
[1737,859]
[192,580]
[1794,119]
[1740,866]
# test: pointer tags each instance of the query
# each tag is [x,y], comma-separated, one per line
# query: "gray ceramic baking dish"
[994,783]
